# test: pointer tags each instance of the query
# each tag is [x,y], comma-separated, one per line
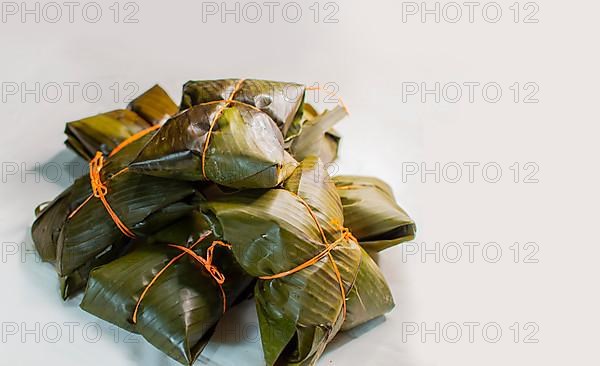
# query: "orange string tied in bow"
[206,262]
[345,234]
[99,189]
[344,231]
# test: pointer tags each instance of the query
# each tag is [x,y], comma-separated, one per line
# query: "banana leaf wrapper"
[372,214]
[179,313]
[245,148]
[315,136]
[144,204]
[103,132]
[370,297]
[282,101]
[154,106]
[73,283]
[272,231]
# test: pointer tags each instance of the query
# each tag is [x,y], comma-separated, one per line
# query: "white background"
[370,54]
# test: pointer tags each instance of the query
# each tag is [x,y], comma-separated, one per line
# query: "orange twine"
[99,189]
[206,262]
[229,100]
[345,235]
[133,138]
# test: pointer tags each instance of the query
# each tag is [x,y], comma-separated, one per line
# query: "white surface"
[369,53]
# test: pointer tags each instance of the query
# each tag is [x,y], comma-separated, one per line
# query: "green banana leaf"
[315,136]
[155,105]
[51,218]
[144,204]
[175,317]
[102,132]
[136,199]
[370,297]
[272,231]
[72,284]
[246,188]
[245,149]
[188,229]
[282,101]
[372,214]
[105,131]
[179,313]
[308,113]
[330,146]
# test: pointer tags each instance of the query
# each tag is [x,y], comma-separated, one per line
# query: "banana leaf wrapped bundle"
[282,101]
[173,299]
[293,240]
[146,233]
[103,211]
[103,132]
[231,144]
[372,214]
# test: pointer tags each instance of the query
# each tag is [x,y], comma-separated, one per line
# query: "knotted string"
[99,189]
[345,234]
[206,262]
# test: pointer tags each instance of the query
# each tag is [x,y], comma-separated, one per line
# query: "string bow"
[207,263]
